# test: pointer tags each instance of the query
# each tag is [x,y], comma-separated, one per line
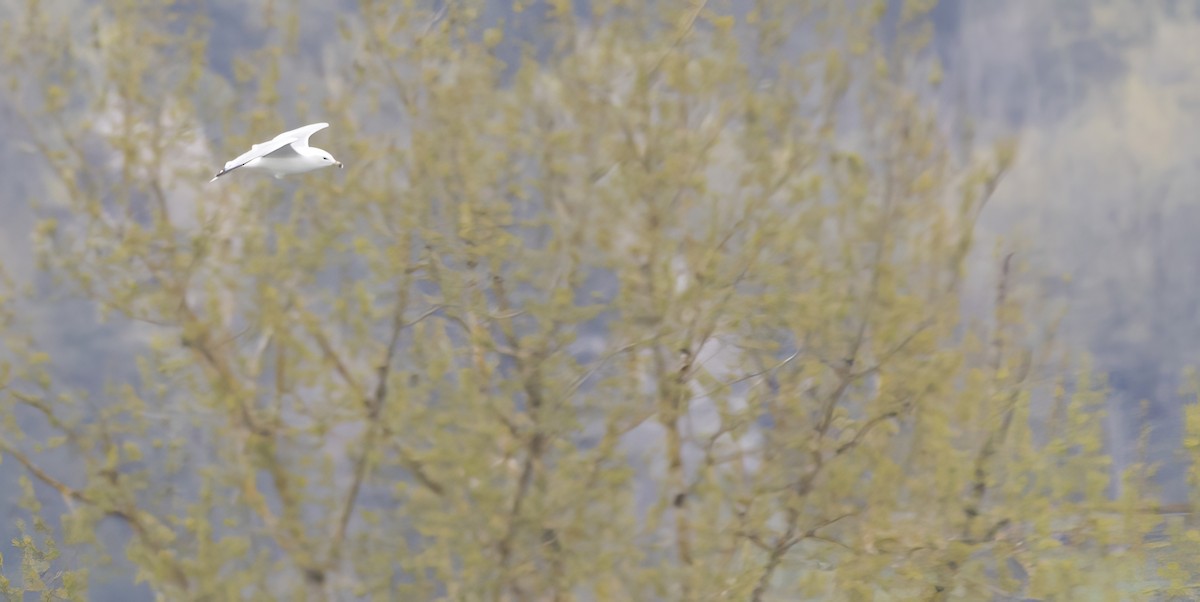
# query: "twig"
[685,28]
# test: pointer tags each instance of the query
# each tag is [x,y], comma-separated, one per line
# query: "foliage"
[664,306]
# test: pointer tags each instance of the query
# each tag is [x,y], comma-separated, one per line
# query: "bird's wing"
[277,146]
[300,135]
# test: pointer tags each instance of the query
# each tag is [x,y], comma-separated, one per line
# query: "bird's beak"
[339,164]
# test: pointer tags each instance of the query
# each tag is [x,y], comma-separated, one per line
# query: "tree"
[664,306]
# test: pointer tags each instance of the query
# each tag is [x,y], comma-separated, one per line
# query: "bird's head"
[326,158]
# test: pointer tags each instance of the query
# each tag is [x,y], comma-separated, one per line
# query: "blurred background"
[1102,97]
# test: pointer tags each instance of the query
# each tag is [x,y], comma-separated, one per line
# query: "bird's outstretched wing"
[277,146]
[302,134]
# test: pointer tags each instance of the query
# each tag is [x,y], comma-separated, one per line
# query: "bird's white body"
[283,155]
[280,167]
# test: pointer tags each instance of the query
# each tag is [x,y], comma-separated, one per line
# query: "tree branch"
[374,405]
[130,517]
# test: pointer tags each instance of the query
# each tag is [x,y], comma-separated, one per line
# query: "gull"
[285,154]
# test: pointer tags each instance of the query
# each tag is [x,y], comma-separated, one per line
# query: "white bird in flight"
[285,154]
